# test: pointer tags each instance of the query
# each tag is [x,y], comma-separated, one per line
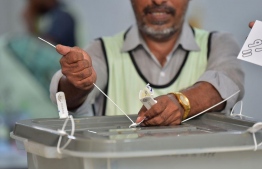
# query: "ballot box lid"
[110,136]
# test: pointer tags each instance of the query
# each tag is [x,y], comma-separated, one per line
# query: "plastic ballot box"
[212,140]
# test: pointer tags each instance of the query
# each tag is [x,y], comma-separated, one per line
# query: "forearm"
[74,96]
[202,96]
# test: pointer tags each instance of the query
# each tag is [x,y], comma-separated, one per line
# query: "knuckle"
[152,122]
[89,81]
[81,64]
[68,56]
[177,122]
[64,71]
[86,63]
[71,80]
[75,65]
[89,72]
[158,108]
[157,121]
[77,84]
[63,62]
[77,57]
[162,116]
[81,75]
[76,48]
[86,83]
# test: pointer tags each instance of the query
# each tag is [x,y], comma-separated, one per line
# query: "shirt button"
[162,74]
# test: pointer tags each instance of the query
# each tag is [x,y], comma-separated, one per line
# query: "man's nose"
[159,2]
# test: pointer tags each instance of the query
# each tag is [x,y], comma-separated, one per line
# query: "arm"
[94,50]
[223,77]
[168,111]
[209,97]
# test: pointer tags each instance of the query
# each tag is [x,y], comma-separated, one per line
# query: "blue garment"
[59,25]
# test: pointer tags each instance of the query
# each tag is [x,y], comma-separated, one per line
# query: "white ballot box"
[212,140]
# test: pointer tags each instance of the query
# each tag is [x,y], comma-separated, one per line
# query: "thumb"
[63,50]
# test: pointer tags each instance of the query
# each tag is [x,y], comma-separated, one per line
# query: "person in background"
[51,20]
[26,68]
[189,69]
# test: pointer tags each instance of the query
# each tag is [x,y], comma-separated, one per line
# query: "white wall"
[106,17]
[10,15]
[101,17]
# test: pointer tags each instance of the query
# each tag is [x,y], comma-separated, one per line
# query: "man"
[163,50]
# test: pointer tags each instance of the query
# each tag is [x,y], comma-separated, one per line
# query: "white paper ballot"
[146,97]
[252,48]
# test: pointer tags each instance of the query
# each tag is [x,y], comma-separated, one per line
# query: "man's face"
[160,19]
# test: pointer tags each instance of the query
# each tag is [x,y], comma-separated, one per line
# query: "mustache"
[153,8]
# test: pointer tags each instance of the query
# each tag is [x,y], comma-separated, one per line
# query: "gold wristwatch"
[183,100]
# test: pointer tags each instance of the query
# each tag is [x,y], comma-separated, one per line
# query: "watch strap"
[183,100]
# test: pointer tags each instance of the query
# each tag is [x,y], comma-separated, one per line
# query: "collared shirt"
[223,70]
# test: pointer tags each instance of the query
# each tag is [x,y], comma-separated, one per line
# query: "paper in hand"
[146,97]
[252,48]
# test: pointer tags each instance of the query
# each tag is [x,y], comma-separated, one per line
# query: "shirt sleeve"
[224,70]
[98,61]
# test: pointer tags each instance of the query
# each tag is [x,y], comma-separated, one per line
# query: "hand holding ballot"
[252,48]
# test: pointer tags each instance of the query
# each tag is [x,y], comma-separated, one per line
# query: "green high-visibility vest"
[125,80]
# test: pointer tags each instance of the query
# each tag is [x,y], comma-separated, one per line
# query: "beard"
[157,34]
[155,31]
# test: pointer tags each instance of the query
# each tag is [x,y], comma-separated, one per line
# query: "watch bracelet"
[186,109]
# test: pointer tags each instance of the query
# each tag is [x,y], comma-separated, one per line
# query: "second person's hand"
[251,24]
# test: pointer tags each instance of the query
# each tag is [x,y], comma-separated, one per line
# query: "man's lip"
[160,9]
[158,16]
[158,13]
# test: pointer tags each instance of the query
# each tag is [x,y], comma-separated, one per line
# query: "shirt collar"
[186,40]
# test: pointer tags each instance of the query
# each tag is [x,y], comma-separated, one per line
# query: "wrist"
[184,102]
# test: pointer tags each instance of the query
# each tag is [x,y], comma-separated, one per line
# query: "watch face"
[183,99]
